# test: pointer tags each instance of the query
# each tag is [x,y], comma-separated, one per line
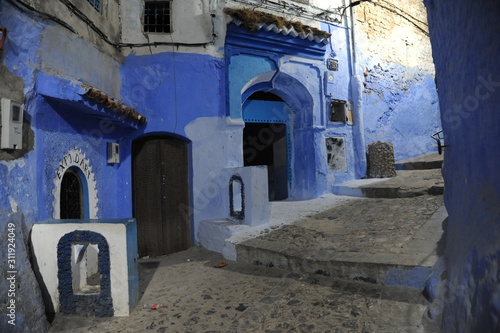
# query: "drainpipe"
[2,41]
[357,99]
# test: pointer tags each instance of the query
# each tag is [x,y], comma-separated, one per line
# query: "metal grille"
[157,16]
[96,4]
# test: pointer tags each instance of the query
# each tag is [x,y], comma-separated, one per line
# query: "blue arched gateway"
[267,140]
[275,90]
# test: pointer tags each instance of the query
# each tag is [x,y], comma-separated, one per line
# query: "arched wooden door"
[161,195]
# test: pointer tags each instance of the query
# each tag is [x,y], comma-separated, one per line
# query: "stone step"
[423,162]
[407,268]
[406,184]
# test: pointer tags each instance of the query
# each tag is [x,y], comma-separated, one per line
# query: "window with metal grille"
[96,4]
[157,16]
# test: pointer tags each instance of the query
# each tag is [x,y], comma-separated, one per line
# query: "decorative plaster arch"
[75,158]
[303,171]
[290,89]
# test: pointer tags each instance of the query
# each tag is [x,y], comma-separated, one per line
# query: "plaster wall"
[73,14]
[45,238]
[215,147]
[340,49]
[18,182]
[192,27]
[300,81]
[399,95]
[182,95]
[35,52]
[465,48]
[69,56]
[255,194]
[65,128]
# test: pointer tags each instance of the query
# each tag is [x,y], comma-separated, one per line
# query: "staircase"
[388,236]
[416,176]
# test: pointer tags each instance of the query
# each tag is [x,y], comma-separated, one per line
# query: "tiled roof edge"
[257,19]
[100,97]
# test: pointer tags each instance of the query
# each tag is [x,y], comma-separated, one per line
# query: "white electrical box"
[113,153]
[12,124]
[329,83]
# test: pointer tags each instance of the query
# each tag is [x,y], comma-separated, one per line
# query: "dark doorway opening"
[266,144]
[161,195]
[71,203]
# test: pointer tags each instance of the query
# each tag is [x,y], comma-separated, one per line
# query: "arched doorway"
[161,195]
[267,140]
[72,205]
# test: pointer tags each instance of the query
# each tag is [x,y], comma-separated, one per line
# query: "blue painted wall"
[400,106]
[464,37]
[17,181]
[18,185]
[299,79]
[184,95]
[339,48]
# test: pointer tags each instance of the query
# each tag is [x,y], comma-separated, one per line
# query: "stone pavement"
[415,176]
[423,162]
[201,298]
[329,265]
[243,297]
[384,241]
[406,184]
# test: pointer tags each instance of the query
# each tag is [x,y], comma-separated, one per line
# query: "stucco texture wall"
[21,307]
[183,95]
[399,94]
[340,49]
[464,37]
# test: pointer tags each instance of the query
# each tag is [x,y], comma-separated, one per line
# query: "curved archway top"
[291,90]
[76,159]
[147,135]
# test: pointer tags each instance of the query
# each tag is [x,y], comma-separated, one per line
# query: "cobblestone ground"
[365,225]
[200,297]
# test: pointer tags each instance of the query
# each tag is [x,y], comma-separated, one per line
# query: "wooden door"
[161,195]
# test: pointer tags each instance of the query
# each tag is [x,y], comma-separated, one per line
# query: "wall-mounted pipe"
[2,41]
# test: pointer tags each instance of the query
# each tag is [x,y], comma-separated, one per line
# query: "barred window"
[96,4]
[157,16]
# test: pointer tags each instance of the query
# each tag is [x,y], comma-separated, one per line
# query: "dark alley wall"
[464,37]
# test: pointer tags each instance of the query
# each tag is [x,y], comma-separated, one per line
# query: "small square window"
[338,111]
[157,16]
[335,154]
[96,4]
[16,113]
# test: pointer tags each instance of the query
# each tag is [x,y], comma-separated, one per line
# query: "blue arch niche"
[100,305]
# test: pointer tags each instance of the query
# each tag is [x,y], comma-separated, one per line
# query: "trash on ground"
[154,306]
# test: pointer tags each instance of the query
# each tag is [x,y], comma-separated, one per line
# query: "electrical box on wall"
[329,81]
[12,124]
[333,64]
[113,153]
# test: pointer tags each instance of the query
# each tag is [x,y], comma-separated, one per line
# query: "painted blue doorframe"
[272,112]
[292,69]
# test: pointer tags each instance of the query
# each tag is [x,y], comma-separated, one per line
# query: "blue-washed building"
[465,287]
[190,116]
